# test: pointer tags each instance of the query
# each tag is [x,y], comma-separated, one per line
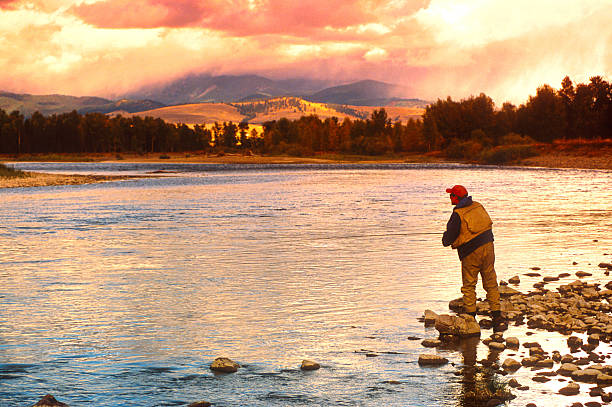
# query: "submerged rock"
[200,404]
[224,365]
[309,365]
[49,401]
[431,343]
[570,390]
[432,360]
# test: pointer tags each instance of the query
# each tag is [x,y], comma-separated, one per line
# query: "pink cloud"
[142,13]
[232,17]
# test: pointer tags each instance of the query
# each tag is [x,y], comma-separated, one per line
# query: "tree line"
[470,128]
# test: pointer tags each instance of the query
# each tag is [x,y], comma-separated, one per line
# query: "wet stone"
[49,401]
[200,404]
[309,365]
[224,365]
[570,390]
[432,360]
[431,343]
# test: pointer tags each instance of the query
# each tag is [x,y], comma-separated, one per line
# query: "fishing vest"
[474,221]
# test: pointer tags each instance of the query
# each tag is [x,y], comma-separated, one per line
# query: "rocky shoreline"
[579,310]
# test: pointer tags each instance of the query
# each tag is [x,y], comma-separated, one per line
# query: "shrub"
[505,154]
[463,149]
[10,172]
[513,138]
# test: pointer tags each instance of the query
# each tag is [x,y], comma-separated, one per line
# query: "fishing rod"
[377,235]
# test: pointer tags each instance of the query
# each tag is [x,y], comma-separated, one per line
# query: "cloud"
[436,48]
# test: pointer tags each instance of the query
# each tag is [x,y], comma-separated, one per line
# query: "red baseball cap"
[458,190]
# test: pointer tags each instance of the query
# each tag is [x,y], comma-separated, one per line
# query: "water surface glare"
[122,293]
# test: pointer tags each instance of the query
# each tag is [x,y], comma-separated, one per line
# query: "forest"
[471,128]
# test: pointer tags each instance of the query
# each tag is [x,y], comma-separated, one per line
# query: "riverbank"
[32,179]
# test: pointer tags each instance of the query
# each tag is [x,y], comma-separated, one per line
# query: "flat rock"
[224,365]
[545,363]
[431,343]
[567,369]
[432,360]
[570,390]
[604,379]
[49,401]
[505,291]
[514,280]
[309,365]
[586,375]
[581,274]
[499,346]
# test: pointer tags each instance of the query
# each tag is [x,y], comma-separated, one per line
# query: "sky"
[435,48]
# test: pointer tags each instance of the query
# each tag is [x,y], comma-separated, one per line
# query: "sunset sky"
[436,48]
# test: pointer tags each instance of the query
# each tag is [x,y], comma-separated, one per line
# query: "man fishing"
[469,231]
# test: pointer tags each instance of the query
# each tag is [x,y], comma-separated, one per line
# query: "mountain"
[224,89]
[52,104]
[366,93]
[240,88]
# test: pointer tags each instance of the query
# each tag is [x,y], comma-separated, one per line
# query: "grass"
[10,172]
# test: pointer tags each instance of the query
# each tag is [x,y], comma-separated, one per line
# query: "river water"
[123,293]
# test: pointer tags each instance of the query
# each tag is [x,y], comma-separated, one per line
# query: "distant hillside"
[224,89]
[258,112]
[366,93]
[247,88]
[52,104]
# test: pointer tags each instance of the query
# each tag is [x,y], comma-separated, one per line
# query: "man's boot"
[499,322]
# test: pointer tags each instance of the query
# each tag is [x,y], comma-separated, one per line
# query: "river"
[123,293]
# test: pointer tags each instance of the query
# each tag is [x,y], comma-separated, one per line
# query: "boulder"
[514,280]
[505,291]
[511,365]
[432,360]
[429,317]
[309,365]
[604,380]
[200,404]
[224,365]
[570,390]
[49,401]
[545,363]
[586,375]
[512,342]
[567,369]
[574,342]
[463,325]
[498,346]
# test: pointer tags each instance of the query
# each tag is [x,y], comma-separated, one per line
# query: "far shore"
[549,159]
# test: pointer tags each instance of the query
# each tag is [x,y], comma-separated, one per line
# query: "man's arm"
[452,230]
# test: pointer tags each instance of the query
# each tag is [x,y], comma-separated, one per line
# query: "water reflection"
[122,293]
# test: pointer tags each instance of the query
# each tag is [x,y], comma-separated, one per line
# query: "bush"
[506,154]
[469,150]
[514,139]
[10,172]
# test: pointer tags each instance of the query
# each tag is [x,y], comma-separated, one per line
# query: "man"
[469,231]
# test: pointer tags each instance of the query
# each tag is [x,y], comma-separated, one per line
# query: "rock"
[593,339]
[512,342]
[49,401]
[586,375]
[432,360]
[463,325]
[456,305]
[429,317]
[511,365]
[567,359]
[514,383]
[529,361]
[567,369]
[541,379]
[309,365]
[531,405]
[200,404]
[498,346]
[533,274]
[224,365]
[604,379]
[605,266]
[549,279]
[536,268]
[570,390]
[545,363]
[514,280]
[581,274]
[563,275]
[505,291]
[574,342]
[592,404]
[431,343]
